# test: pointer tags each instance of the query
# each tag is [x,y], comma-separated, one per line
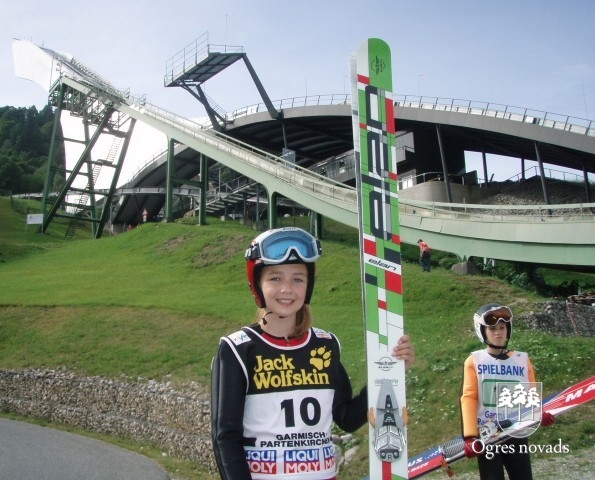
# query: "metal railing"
[576,212]
[292,102]
[260,159]
[551,173]
[581,126]
[192,54]
[567,123]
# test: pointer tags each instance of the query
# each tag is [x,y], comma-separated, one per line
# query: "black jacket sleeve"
[228,394]
[349,412]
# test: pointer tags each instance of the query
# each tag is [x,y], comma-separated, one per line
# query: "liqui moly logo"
[302,461]
[262,461]
[328,454]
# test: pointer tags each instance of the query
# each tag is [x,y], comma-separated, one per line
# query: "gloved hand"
[547,419]
[473,447]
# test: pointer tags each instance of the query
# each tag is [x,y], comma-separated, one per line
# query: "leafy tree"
[25,138]
[10,174]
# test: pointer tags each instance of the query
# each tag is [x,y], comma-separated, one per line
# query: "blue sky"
[534,54]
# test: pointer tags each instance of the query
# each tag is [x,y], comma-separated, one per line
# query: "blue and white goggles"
[284,244]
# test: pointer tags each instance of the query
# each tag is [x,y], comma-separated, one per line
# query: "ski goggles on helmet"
[284,244]
[495,315]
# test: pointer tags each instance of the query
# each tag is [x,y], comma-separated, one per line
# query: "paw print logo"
[321,358]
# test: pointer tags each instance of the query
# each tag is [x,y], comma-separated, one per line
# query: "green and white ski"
[378,202]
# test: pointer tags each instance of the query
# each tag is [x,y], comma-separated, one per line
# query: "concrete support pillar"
[485,166]
[444,165]
[272,209]
[586,178]
[316,224]
[204,186]
[546,196]
[169,181]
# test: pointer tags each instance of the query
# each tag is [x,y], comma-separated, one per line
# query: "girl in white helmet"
[278,384]
[482,370]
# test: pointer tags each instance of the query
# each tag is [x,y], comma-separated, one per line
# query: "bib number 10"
[309,411]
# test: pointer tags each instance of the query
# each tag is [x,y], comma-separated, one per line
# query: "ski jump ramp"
[463,229]
[543,234]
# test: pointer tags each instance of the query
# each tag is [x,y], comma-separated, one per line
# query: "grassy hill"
[153,302]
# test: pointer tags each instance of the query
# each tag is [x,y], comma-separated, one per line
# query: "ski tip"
[374,61]
[375,43]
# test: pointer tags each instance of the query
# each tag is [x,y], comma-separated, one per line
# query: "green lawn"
[153,302]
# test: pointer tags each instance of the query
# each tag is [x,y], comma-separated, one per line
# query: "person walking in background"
[278,384]
[425,258]
[482,369]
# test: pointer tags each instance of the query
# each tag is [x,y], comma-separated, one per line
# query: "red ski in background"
[443,456]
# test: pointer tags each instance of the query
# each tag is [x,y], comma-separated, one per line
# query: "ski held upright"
[380,252]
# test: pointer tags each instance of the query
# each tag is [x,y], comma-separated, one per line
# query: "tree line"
[25,138]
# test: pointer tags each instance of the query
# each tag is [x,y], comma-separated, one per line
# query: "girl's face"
[497,334]
[284,288]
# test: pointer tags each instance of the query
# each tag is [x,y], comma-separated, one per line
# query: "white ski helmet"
[488,316]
